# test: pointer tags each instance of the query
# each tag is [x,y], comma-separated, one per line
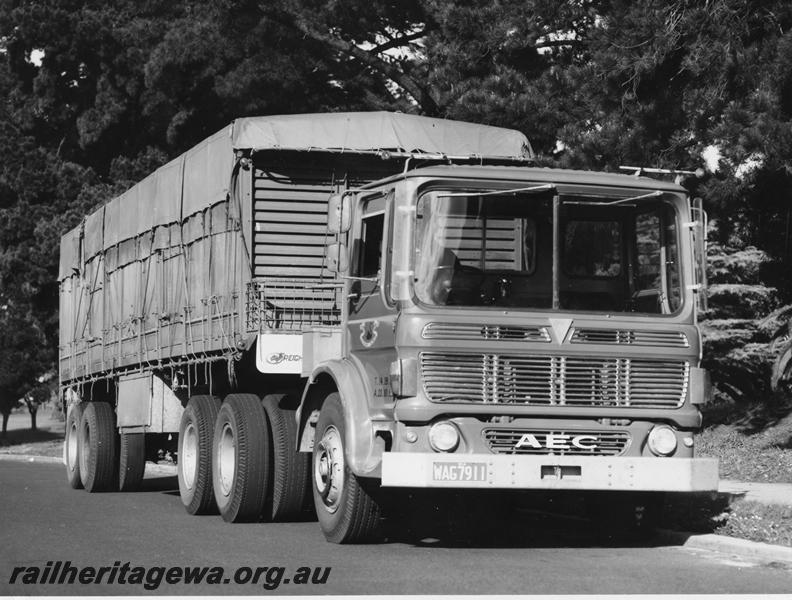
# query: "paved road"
[43,520]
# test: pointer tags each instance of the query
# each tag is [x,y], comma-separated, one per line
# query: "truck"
[316,313]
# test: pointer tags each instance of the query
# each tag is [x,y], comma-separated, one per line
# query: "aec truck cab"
[519,328]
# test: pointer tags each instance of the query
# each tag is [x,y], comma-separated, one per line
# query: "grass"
[723,515]
[47,440]
[770,524]
[758,457]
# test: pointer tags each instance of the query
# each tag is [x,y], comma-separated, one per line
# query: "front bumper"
[487,471]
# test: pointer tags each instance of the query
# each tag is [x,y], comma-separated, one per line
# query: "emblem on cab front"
[558,441]
[368,333]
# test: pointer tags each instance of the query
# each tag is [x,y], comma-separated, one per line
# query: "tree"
[35,398]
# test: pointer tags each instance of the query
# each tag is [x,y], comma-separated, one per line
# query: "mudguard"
[362,448]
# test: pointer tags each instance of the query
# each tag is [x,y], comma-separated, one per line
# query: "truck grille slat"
[666,339]
[503,441]
[554,380]
[463,331]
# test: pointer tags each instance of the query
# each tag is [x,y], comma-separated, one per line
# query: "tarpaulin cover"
[93,242]
[69,253]
[200,177]
[377,131]
[207,172]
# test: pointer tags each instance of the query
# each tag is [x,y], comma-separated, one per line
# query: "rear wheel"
[195,454]
[131,461]
[345,506]
[97,448]
[240,458]
[71,445]
[290,487]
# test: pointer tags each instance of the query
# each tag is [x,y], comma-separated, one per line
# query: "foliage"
[123,86]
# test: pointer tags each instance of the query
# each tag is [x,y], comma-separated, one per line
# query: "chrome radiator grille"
[667,339]
[554,380]
[464,331]
[521,441]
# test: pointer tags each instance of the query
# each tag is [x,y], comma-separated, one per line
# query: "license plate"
[461,471]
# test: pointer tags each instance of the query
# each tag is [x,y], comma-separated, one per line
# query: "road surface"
[142,535]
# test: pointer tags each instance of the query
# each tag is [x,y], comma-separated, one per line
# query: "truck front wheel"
[347,511]
[195,454]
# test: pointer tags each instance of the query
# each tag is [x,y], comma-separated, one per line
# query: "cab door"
[372,317]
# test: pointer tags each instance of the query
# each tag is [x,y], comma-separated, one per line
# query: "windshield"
[484,248]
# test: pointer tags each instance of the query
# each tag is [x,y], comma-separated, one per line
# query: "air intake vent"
[463,331]
[658,339]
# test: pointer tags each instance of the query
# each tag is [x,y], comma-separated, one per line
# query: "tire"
[131,461]
[71,446]
[98,448]
[345,507]
[241,458]
[625,517]
[290,487]
[194,467]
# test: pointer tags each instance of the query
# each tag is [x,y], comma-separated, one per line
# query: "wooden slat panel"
[287,238]
[295,228]
[264,218]
[290,205]
[274,192]
[264,270]
[289,250]
[300,261]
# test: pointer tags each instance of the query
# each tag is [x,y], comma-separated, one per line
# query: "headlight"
[404,377]
[662,440]
[443,437]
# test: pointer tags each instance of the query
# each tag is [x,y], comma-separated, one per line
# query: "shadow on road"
[16,437]
[541,521]
[169,485]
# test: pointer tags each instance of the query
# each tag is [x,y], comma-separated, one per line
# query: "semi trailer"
[320,312]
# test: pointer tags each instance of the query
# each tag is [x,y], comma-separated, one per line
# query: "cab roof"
[539,175]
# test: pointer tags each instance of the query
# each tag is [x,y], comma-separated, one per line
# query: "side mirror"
[700,250]
[339,213]
[337,261]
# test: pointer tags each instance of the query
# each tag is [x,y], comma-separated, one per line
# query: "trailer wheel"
[131,461]
[290,487]
[98,448]
[240,458]
[194,467]
[347,511]
[71,446]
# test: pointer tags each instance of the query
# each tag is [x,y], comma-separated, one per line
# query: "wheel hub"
[227,459]
[329,468]
[189,455]
[71,452]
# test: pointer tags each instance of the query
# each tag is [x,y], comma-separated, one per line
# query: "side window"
[370,246]
[647,237]
[592,249]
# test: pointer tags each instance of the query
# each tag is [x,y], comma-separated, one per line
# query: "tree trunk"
[5,422]
[33,412]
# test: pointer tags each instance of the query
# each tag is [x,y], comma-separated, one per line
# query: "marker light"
[443,437]
[662,440]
